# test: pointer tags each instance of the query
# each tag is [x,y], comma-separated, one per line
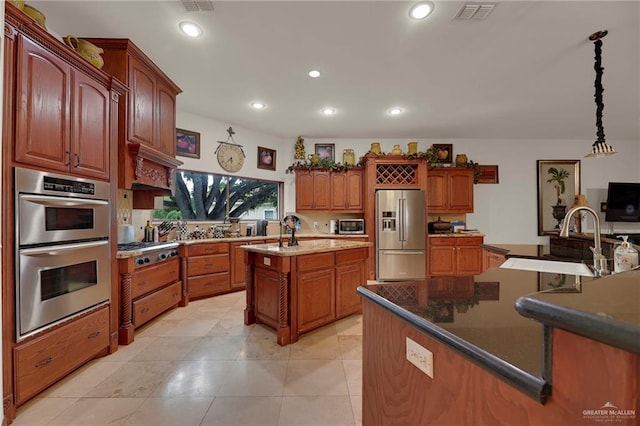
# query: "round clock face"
[230,157]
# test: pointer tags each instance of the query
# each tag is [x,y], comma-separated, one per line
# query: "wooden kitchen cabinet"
[347,190]
[62,115]
[455,255]
[330,191]
[316,291]
[313,190]
[207,269]
[47,358]
[450,190]
[492,259]
[350,273]
[238,271]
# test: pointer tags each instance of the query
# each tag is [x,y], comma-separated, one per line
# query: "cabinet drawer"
[310,262]
[154,304]
[207,285]
[442,241]
[154,277]
[469,241]
[351,255]
[201,265]
[43,361]
[204,249]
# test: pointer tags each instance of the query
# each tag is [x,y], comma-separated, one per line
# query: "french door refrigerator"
[400,235]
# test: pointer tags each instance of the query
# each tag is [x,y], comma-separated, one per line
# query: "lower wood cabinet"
[492,259]
[238,268]
[455,255]
[207,269]
[54,354]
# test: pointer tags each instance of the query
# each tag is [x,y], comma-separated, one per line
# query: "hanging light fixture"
[600,146]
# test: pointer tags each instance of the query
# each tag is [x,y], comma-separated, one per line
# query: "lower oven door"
[55,282]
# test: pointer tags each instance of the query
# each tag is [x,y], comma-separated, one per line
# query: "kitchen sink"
[546,265]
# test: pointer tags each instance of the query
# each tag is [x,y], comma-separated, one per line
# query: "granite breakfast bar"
[295,289]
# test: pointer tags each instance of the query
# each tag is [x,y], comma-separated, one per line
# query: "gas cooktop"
[146,246]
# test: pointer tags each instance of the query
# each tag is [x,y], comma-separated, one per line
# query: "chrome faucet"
[599,260]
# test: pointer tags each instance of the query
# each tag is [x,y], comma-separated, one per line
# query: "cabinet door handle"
[144,310]
[142,283]
[44,362]
[93,335]
[67,154]
[77,157]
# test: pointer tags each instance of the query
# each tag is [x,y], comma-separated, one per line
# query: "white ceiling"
[525,72]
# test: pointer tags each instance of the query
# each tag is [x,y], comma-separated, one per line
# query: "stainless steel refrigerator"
[400,235]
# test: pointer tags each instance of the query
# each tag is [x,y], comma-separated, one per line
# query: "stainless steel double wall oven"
[62,248]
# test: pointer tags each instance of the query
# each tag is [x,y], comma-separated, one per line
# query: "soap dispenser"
[625,257]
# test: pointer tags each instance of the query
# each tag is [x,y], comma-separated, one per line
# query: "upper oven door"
[45,219]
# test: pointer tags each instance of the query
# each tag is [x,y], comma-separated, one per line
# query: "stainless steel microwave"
[350,226]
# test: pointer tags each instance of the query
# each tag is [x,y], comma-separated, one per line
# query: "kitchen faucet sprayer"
[599,260]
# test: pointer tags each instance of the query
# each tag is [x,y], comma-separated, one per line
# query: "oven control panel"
[152,257]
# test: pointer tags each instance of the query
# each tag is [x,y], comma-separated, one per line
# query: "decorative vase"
[375,148]
[412,148]
[86,49]
[396,150]
[559,212]
[299,154]
[461,160]
[314,159]
[348,157]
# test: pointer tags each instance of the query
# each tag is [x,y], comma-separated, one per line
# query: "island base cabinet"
[269,308]
[51,356]
[350,273]
[316,300]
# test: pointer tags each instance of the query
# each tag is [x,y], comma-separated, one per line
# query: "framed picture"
[488,174]
[326,150]
[558,184]
[444,152]
[266,158]
[559,283]
[187,143]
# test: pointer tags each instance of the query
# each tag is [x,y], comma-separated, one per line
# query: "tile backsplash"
[125,207]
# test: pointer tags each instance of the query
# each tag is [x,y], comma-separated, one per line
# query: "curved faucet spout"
[599,260]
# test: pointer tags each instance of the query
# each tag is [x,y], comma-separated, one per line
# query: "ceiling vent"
[476,11]
[197,5]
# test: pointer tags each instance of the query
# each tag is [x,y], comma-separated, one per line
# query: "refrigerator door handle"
[400,252]
[401,219]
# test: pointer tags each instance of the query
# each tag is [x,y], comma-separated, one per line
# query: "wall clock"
[230,155]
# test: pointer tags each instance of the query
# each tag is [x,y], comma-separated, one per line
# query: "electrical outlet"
[420,357]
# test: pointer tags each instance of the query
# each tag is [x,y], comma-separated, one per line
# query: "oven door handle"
[56,250]
[61,201]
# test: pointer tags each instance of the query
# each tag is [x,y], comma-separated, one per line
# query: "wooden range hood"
[148,172]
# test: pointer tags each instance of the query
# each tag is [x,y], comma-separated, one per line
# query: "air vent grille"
[197,5]
[476,11]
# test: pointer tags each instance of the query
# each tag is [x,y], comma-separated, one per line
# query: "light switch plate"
[420,356]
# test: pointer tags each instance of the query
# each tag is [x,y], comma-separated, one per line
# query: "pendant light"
[600,146]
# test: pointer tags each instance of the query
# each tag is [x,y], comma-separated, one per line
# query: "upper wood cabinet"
[455,255]
[62,115]
[450,190]
[321,190]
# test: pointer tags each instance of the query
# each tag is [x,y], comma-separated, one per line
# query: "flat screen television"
[623,202]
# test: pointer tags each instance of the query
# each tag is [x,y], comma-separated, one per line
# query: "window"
[207,197]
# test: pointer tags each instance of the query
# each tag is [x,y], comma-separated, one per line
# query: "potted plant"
[557,177]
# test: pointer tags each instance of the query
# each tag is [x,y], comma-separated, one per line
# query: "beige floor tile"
[316,346]
[194,379]
[127,352]
[263,330]
[168,348]
[98,411]
[133,380]
[353,372]
[254,378]
[217,348]
[41,410]
[170,412]
[226,327]
[315,377]
[264,346]
[317,410]
[349,325]
[156,328]
[244,411]
[356,407]
[194,327]
[83,380]
[350,346]
[327,330]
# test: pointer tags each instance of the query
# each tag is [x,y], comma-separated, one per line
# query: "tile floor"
[200,365]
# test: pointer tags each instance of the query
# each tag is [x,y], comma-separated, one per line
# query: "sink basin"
[552,266]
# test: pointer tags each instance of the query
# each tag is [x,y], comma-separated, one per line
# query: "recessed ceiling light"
[396,111]
[328,111]
[258,105]
[314,73]
[421,10]
[190,29]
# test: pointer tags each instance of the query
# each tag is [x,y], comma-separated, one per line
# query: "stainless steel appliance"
[350,226]
[63,265]
[400,235]
[151,253]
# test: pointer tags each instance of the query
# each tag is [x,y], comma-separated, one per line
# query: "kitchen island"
[296,289]
[495,349]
